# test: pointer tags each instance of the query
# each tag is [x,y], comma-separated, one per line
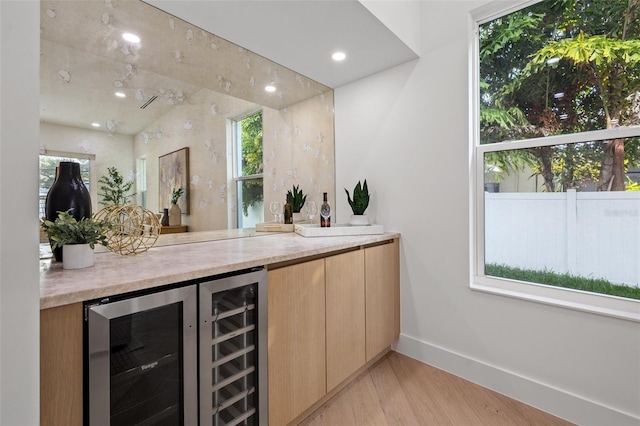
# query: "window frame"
[236,170]
[612,306]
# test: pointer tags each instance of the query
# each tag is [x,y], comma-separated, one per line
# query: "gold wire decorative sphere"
[134,229]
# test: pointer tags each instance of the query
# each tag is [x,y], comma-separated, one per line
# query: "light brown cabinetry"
[61,366]
[345,316]
[296,339]
[354,318]
[382,290]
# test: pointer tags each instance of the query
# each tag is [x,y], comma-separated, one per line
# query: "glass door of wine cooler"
[233,374]
[142,353]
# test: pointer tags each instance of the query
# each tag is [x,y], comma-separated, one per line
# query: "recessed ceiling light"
[95,124]
[120,95]
[270,88]
[338,56]
[132,38]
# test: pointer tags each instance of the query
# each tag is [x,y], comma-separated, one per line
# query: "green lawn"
[563,280]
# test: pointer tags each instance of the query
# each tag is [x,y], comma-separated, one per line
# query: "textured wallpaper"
[298,146]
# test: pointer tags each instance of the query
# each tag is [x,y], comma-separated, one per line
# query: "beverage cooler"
[189,354]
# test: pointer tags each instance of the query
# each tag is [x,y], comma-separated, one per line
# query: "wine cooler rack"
[150,357]
[230,351]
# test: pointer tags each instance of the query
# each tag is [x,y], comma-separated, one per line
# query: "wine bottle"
[325,212]
[288,211]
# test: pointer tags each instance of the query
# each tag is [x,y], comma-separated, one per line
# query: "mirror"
[183,87]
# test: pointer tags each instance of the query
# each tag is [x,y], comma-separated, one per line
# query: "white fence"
[590,234]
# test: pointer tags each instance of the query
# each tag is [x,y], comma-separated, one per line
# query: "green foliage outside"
[67,230]
[592,285]
[560,67]
[251,160]
[114,189]
[48,166]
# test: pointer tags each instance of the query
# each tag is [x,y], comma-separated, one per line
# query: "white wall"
[19,281]
[406,131]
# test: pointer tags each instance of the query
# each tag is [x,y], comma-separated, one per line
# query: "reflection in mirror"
[183,87]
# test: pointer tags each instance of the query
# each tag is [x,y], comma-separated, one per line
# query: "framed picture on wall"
[173,171]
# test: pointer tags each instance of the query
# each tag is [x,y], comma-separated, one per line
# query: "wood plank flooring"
[399,390]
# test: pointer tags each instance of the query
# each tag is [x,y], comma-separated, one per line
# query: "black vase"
[67,193]
[165,218]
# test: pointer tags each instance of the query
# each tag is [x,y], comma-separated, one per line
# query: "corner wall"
[406,130]
[19,277]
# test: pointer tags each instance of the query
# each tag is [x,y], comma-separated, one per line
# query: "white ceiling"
[84,60]
[301,35]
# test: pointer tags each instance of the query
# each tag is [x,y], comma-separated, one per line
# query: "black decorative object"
[67,193]
[165,218]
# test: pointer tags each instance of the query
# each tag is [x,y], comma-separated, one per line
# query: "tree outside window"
[559,109]
[249,179]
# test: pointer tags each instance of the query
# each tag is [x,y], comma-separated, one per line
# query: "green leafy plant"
[360,200]
[67,230]
[297,198]
[114,189]
[176,193]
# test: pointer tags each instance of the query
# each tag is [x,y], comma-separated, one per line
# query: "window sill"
[600,304]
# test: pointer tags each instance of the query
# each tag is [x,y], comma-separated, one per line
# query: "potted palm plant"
[297,200]
[359,204]
[77,238]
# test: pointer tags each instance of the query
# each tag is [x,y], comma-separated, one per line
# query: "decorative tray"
[309,230]
[276,226]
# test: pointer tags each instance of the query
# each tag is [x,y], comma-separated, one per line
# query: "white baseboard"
[552,400]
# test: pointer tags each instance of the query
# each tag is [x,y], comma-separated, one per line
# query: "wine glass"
[312,210]
[274,208]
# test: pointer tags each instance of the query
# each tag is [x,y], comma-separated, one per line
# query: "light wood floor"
[399,390]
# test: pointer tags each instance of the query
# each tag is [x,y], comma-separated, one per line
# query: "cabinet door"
[382,289]
[61,365]
[345,316]
[296,339]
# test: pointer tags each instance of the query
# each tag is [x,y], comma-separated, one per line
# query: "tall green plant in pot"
[359,203]
[113,189]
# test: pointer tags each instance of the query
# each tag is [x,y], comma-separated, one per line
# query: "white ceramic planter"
[359,220]
[298,217]
[77,256]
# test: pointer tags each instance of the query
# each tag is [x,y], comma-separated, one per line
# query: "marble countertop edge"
[114,274]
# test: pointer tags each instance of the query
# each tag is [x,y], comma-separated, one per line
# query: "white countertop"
[115,274]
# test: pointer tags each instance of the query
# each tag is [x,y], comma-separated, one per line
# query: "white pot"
[77,256]
[359,220]
[298,217]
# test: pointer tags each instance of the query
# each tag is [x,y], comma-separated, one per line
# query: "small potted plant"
[359,204]
[77,238]
[297,200]
[175,213]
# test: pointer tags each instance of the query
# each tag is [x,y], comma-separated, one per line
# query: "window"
[247,170]
[557,151]
[141,181]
